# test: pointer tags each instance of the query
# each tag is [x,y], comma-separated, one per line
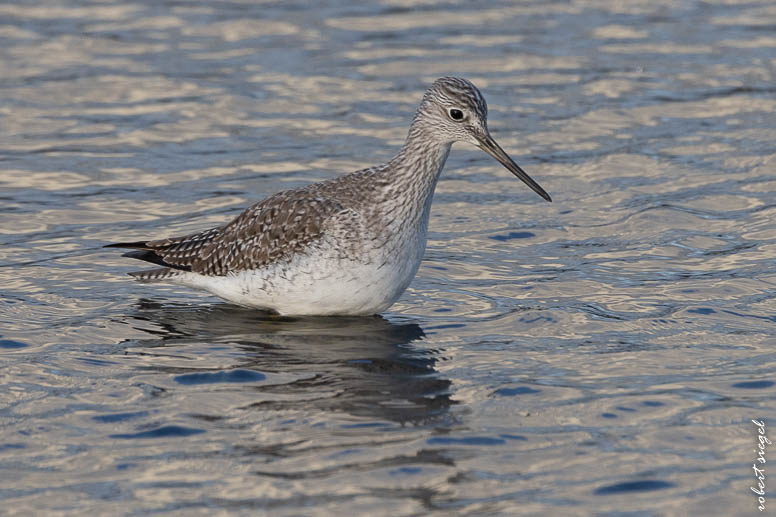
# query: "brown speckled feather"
[269,231]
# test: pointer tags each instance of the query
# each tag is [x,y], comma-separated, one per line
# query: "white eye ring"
[455,114]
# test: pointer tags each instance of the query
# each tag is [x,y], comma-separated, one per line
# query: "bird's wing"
[269,231]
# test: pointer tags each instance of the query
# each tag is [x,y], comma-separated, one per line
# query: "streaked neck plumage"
[412,174]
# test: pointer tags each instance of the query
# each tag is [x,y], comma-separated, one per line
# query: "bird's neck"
[413,173]
[404,188]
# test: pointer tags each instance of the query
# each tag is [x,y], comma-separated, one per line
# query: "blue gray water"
[601,355]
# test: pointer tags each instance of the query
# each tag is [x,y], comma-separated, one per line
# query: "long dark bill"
[490,146]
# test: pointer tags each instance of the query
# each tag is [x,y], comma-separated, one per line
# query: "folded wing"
[270,231]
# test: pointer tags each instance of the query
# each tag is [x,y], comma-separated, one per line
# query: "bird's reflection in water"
[363,366]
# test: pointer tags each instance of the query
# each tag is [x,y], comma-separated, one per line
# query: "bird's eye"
[455,114]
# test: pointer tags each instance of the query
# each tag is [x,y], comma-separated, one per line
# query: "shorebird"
[346,246]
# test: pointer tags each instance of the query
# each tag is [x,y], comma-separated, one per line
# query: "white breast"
[322,282]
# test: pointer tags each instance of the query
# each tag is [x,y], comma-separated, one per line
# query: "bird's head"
[454,110]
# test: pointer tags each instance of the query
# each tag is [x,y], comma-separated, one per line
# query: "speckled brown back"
[269,231]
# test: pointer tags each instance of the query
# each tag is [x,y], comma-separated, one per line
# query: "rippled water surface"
[603,354]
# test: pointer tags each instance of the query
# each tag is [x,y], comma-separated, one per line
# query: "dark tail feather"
[153,258]
[139,245]
[154,275]
[146,254]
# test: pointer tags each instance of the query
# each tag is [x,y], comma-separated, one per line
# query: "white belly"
[322,282]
